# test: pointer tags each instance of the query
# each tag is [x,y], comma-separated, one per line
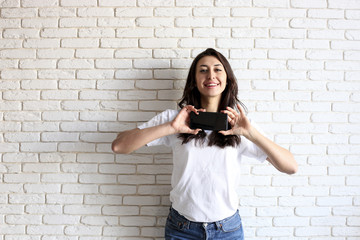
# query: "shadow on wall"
[133,187]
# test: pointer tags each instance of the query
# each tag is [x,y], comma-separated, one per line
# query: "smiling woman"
[210,81]
[206,163]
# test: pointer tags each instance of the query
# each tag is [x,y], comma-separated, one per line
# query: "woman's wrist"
[251,134]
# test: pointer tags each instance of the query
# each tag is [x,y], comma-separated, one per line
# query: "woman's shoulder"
[169,113]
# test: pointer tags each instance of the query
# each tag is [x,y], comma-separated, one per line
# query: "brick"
[312,231]
[96,12]
[98,95]
[134,53]
[115,3]
[115,84]
[80,43]
[41,105]
[19,33]
[79,147]
[119,105]
[351,55]
[94,53]
[154,22]
[37,64]
[352,14]
[56,74]
[133,74]
[270,22]
[287,13]
[308,23]
[158,43]
[18,12]
[137,95]
[172,12]
[57,12]
[18,74]
[115,22]
[78,3]
[38,147]
[193,22]
[17,53]
[194,4]
[21,137]
[133,12]
[99,221]
[121,231]
[78,84]
[309,4]
[61,219]
[43,209]
[80,105]
[138,221]
[342,5]
[249,12]
[325,34]
[41,43]
[113,63]
[325,13]
[215,12]
[40,23]
[159,106]
[153,84]
[170,74]
[21,95]
[273,43]
[59,137]
[60,53]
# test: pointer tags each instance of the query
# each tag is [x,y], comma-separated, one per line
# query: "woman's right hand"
[181,123]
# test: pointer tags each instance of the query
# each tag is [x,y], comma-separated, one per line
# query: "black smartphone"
[209,121]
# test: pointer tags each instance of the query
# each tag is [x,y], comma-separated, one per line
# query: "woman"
[206,163]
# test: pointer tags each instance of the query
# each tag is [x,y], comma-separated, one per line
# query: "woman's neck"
[210,104]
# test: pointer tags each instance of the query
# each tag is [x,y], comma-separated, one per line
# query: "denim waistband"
[186,222]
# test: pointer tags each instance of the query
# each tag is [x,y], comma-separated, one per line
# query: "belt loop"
[218,225]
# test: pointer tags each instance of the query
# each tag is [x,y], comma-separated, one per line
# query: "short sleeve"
[250,149]
[166,116]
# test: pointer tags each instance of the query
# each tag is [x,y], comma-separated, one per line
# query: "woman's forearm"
[278,156]
[129,141]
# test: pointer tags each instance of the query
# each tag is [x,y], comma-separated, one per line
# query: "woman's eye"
[218,70]
[203,70]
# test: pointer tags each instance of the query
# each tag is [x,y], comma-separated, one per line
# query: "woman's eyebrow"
[216,65]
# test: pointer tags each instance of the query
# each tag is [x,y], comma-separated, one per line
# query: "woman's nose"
[211,75]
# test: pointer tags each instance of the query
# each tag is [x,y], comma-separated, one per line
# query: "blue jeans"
[179,228]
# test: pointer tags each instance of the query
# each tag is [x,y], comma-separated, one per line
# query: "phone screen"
[209,121]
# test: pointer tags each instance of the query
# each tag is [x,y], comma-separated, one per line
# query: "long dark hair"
[191,96]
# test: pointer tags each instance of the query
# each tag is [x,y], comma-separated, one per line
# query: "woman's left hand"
[240,124]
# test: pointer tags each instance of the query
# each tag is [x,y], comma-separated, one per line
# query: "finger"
[231,115]
[233,111]
[193,109]
[225,133]
[241,109]
[195,132]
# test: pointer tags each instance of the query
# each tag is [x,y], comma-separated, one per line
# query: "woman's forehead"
[209,61]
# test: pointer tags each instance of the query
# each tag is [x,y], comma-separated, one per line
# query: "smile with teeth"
[211,84]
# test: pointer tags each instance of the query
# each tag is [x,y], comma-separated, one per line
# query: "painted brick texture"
[73,73]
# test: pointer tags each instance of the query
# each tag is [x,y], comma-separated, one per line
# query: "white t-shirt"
[204,179]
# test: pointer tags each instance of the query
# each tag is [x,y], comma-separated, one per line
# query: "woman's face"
[210,77]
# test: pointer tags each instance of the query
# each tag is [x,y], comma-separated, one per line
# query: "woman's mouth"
[211,85]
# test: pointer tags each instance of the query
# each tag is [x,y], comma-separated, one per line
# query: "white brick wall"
[74,73]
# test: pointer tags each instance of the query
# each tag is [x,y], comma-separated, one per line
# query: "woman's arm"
[131,140]
[278,156]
